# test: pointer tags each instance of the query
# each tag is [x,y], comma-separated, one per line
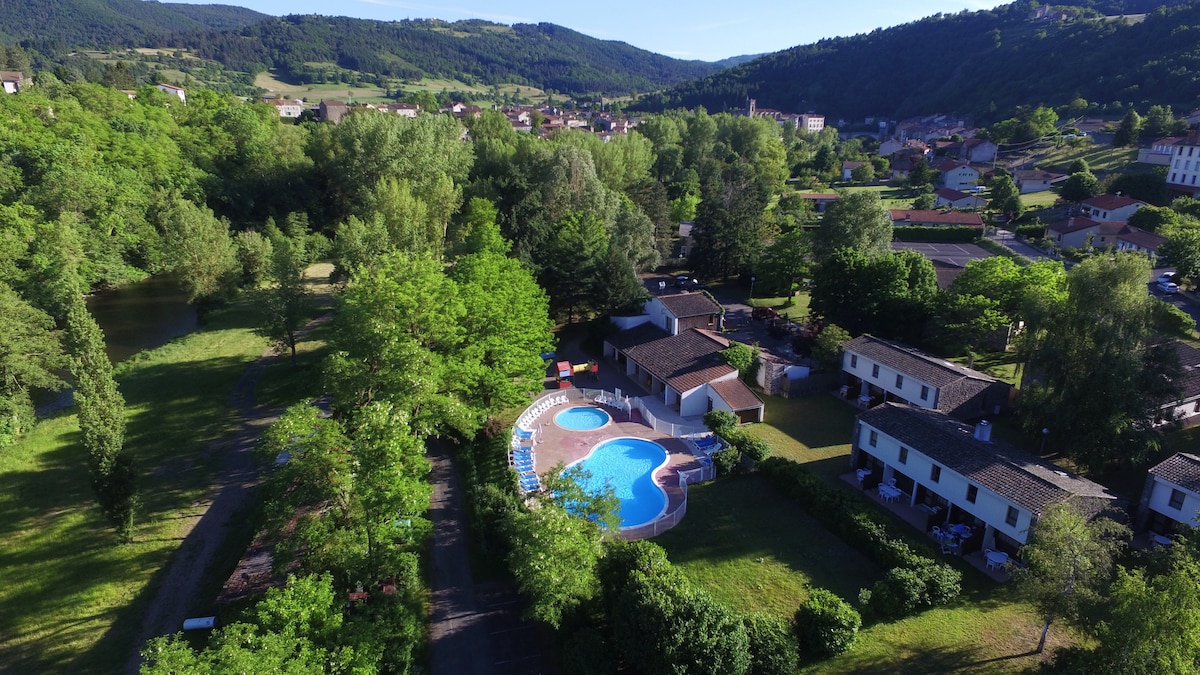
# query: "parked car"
[1168,287]
[1166,278]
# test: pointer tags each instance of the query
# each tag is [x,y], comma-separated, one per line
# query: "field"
[1100,158]
[341,91]
[72,597]
[892,197]
[755,550]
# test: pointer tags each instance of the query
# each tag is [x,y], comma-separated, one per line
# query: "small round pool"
[628,465]
[582,418]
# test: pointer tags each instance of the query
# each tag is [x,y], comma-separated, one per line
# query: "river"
[143,315]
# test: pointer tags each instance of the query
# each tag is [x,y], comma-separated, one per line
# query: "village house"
[177,92]
[877,370]
[288,109]
[1186,409]
[848,168]
[957,175]
[1036,180]
[933,218]
[1080,232]
[332,111]
[956,473]
[672,350]
[1171,497]
[1160,152]
[1110,208]
[12,81]
[820,201]
[956,199]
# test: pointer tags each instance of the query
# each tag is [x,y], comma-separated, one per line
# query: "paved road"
[1010,240]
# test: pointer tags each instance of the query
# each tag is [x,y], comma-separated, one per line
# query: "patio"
[918,517]
[555,445]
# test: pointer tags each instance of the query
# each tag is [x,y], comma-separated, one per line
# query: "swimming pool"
[582,418]
[628,464]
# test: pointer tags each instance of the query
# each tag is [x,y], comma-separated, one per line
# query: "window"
[875,370]
[1010,518]
[873,439]
[899,381]
[935,473]
[924,393]
[903,455]
[972,493]
[1176,499]
[854,360]
[1173,177]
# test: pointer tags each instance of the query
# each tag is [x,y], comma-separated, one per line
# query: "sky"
[708,30]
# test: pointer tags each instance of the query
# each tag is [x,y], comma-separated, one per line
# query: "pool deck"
[554,445]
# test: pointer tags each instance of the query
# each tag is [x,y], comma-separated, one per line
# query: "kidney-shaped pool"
[628,464]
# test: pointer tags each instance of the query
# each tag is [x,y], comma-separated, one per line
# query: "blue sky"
[701,29]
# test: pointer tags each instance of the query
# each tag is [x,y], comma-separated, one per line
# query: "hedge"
[846,516]
[949,234]
[826,625]
[1036,231]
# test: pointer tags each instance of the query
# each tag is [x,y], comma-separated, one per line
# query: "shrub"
[587,652]
[1035,231]
[899,593]
[826,625]
[720,421]
[726,461]
[943,583]
[755,448]
[773,646]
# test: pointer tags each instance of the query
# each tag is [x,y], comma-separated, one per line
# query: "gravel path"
[232,490]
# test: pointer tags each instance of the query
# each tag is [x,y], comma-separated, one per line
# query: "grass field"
[892,197]
[756,550]
[72,597]
[797,310]
[1098,157]
[342,91]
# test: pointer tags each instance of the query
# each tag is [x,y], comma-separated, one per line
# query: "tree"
[1006,198]
[1106,317]
[827,351]
[1182,248]
[1152,618]
[1080,186]
[101,420]
[727,235]
[856,221]
[1129,129]
[784,263]
[1068,559]
[1158,219]
[198,249]
[964,321]
[553,557]
[284,303]
[925,201]
[885,294]
[30,358]
[864,173]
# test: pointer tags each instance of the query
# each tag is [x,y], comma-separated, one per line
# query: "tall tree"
[284,302]
[1006,199]
[856,221]
[1182,248]
[1068,559]
[101,420]
[30,358]
[1080,186]
[199,249]
[1129,129]
[1105,318]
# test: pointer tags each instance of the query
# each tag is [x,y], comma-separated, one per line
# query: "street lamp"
[752,278]
[1045,433]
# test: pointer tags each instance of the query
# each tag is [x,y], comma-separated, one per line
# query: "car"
[1169,287]
[761,313]
[1166,278]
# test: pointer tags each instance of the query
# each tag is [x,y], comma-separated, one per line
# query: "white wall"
[659,315]
[910,389]
[989,507]
[694,402]
[627,322]
[1160,500]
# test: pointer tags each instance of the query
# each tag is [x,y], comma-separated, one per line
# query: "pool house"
[947,472]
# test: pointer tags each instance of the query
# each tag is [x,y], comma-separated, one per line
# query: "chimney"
[983,431]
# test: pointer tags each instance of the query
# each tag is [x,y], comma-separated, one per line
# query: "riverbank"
[72,598]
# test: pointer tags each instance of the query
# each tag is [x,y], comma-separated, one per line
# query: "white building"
[288,109]
[1171,497]
[955,473]
[1110,208]
[1184,173]
[173,91]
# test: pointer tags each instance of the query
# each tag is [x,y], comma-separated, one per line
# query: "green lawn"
[754,549]
[1098,157]
[1000,365]
[72,597]
[798,309]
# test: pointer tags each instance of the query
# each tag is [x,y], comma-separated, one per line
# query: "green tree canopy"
[855,221]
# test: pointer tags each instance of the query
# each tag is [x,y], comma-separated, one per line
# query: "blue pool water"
[628,464]
[582,419]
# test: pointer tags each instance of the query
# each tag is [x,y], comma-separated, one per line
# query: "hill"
[302,48]
[128,23]
[982,63]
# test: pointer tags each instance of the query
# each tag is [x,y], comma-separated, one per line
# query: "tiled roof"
[737,394]
[1181,469]
[1144,239]
[635,336]
[683,305]
[1110,202]
[1070,225]
[937,217]
[684,361]
[913,362]
[1016,475]
[1189,359]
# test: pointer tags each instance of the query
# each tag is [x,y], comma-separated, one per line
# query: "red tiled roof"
[1072,225]
[1110,202]
[736,394]
[936,217]
[684,361]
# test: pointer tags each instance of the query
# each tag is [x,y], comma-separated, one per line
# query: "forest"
[980,63]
